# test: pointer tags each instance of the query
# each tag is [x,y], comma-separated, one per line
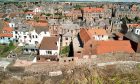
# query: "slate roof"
[40,29]
[69,25]
[133,37]
[68,34]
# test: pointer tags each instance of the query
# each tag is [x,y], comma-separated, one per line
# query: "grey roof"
[40,29]
[30,47]
[68,34]
[104,22]
[69,25]
[22,27]
[1,24]
[132,36]
[54,21]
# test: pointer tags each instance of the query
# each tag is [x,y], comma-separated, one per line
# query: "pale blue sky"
[81,0]
[111,0]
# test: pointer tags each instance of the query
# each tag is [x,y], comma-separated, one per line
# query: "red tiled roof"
[29,12]
[49,43]
[133,25]
[6,35]
[97,31]
[91,9]
[40,23]
[103,47]
[7,29]
[6,32]
[74,12]
[86,34]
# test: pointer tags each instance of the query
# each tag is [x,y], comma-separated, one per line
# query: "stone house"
[89,13]
[66,39]
[73,14]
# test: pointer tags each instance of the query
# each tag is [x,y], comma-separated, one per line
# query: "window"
[32,50]
[71,31]
[36,42]
[33,36]
[15,36]
[16,40]
[15,32]
[36,36]
[25,37]
[66,38]
[49,52]
[26,50]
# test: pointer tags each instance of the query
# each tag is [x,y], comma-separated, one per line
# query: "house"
[54,26]
[115,25]
[41,23]
[29,15]
[14,22]
[73,14]
[3,16]
[6,35]
[38,10]
[69,26]
[14,15]
[49,48]
[132,27]
[96,34]
[92,47]
[67,39]
[134,38]
[86,36]
[130,13]
[30,35]
[91,12]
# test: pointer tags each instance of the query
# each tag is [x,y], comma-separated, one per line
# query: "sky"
[82,0]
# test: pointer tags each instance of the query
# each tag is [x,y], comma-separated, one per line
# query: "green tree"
[77,6]
[65,50]
[36,19]
[136,19]
[11,44]
[48,14]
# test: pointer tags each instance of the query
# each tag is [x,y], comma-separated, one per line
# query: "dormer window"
[15,32]
[137,31]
